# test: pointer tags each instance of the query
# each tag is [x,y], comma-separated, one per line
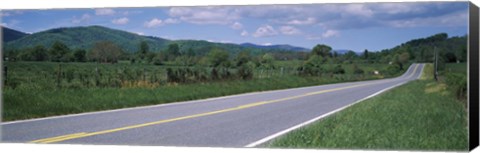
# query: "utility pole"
[435,72]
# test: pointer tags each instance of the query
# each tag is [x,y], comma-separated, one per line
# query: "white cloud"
[154,23]
[104,11]
[236,26]
[244,33]
[330,33]
[83,18]
[205,15]
[120,21]
[158,22]
[140,33]
[308,21]
[456,19]
[358,10]
[289,30]
[267,44]
[4,24]
[264,31]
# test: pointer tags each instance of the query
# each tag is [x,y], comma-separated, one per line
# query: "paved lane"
[231,121]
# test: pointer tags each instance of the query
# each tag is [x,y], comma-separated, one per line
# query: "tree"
[143,50]
[365,54]
[267,60]
[403,58]
[80,55]
[218,57]
[350,55]
[450,57]
[58,51]
[173,51]
[321,50]
[38,53]
[242,58]
[190,52]
[105,52]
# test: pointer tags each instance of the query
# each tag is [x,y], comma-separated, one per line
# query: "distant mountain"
[276,47]
[344,51]
[86,37]
[10,34]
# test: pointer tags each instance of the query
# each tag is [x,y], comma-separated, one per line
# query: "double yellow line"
[84,134]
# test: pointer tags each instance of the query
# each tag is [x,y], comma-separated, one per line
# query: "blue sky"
[355,26]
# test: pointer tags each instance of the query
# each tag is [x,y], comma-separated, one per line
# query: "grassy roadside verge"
[27,103]
[421,115]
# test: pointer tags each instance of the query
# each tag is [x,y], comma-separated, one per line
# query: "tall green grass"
[421,115]
[36,94]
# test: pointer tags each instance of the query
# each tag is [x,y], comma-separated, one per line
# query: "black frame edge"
[473,65]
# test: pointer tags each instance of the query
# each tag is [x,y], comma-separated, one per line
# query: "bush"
[393,69]
[338,70]
[245,71]
[457,83]
[357,70]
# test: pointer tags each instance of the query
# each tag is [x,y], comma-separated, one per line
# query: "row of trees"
[103,51]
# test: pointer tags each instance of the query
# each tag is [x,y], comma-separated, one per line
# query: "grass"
[36,94]
[421,115]
[456,67]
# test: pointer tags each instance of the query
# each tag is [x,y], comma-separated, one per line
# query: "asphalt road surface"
[244,120]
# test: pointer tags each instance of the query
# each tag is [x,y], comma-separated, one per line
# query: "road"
[244,120]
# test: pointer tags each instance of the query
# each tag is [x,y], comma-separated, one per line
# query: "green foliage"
[245,71]
[365,54]
[242,58]
[338,70]
[172,52]
[143,51]
[38,53]
[105,52]
[357,70]
[58,52]
[80,55]
[267,61]
[218,57]
[313,66]
[457,83]
[322,50]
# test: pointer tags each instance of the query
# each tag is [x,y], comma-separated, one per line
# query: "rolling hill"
[11,35]
[86,37]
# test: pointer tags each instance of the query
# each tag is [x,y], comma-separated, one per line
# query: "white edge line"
[173,103]
[258,142]
[133,108]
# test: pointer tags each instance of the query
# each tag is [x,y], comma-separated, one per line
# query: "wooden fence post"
[59,75]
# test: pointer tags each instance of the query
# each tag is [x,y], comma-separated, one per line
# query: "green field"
[41,89]
[421,115]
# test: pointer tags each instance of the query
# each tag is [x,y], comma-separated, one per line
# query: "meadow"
[41,89]
[421,115]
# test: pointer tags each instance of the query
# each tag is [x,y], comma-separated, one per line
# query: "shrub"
[357,70]
[457,83]
[338,70]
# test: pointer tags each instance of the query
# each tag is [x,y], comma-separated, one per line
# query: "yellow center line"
[84,134]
